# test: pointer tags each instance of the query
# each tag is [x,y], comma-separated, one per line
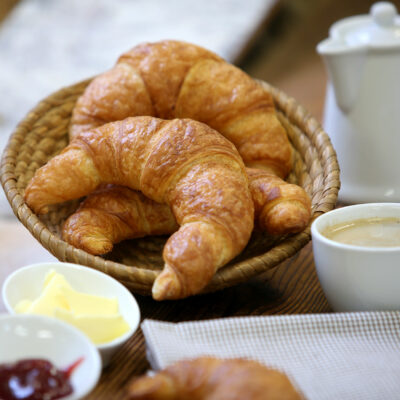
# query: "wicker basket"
[136,263]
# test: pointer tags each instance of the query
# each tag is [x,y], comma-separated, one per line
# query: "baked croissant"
[182,163]
[280,207]
[171,79]
[115,213]
[208,378]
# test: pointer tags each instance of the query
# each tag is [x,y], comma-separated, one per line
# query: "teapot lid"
[379,28]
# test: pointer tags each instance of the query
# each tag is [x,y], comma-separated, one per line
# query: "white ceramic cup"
[357,278]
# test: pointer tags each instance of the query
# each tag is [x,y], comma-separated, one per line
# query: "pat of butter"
[98,317]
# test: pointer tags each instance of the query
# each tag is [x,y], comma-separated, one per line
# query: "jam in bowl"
[50,355]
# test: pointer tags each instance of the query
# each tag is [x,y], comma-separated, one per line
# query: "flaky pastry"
[210,378]
[114,213]
[172,79]
[182,163]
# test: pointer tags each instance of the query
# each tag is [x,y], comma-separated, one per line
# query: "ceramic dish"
[26,283]
[353,277]
[32,336]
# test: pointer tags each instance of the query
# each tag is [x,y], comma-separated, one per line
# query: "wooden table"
[283,55]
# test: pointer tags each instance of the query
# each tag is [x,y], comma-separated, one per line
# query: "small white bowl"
[357,278]
[27,283]
[35,336]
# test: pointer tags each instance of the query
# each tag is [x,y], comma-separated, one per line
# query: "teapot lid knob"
[384,14]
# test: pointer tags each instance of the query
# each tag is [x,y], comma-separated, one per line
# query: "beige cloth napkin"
[327,356]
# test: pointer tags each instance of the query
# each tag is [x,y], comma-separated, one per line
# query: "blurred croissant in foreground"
[208,378]
[115,213]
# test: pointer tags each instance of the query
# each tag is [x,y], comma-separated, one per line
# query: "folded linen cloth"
[327,356]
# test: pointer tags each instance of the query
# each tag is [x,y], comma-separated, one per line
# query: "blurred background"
[48,44]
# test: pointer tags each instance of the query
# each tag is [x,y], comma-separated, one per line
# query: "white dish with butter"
[94,301]
[362,276]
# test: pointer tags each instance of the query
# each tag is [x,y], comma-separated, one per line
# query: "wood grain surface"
[290,288]
[283,55]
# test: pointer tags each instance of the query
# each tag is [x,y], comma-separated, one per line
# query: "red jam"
[35,380]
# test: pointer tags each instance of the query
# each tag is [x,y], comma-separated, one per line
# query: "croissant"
[172,79]
[279,207]
[115,213]
[208,378]
[182,163]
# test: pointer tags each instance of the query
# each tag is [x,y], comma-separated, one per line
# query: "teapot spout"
[345,65]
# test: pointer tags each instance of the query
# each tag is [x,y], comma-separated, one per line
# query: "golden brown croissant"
[171,79]
[279,207]
[208,378]
[115,213]
[182,163]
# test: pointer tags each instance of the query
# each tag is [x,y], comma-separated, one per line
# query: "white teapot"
[362,108]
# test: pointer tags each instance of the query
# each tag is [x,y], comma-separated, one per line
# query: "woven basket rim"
[140,279]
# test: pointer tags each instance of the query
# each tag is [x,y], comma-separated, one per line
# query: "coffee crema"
[367,232]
